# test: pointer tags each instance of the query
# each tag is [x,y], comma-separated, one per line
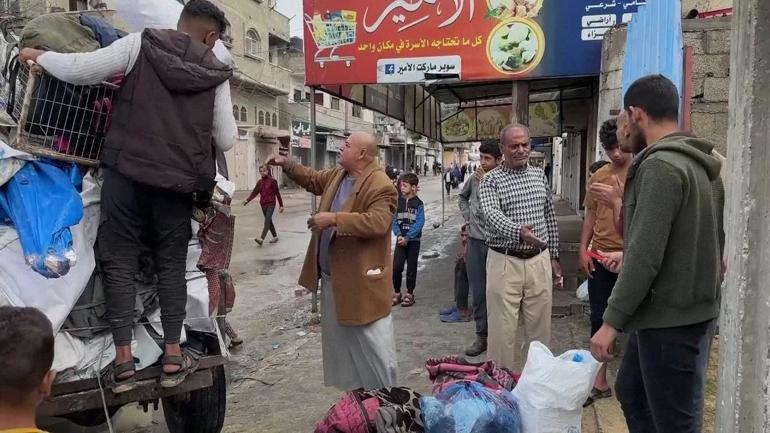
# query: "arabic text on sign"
[593,34]
[409,14]
[413,69]
[607,20]
[409,45]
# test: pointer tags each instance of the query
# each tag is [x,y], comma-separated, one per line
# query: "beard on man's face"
[637,142]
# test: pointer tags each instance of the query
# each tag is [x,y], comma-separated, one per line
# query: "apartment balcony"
[278,26]
[260,76]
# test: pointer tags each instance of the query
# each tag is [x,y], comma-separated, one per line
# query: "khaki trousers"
[516,286]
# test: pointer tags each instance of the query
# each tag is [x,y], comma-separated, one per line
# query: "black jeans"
[599,291]
[268,210]
[409,255]
[477,276]
[661,379]
[136,218]
[448,186]
[461,285]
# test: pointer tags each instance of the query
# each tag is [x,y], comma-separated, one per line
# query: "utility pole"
[406,149]
[314,164]
[743,397]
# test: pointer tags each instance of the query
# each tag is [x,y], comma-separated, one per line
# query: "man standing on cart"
[158,162]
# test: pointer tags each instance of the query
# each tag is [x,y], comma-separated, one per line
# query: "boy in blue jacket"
[407,227]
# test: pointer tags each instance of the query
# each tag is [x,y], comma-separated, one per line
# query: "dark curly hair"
[491,147]
[607,134]
[26,352]
[205,10]
[410,178]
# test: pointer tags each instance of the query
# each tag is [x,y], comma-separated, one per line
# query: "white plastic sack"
[582,292]
[160,14]
[552,389]
[149,14]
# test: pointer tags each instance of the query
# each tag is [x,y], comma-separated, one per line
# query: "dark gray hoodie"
[674,238]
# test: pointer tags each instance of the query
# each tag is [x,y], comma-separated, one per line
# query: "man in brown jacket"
[350,253]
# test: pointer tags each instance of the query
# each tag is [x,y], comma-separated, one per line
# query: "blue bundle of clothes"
[42,201]
[470,407]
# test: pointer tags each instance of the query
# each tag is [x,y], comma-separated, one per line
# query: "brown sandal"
[111,376]
[396,300]
[597,394]
[187,362]
[408,300]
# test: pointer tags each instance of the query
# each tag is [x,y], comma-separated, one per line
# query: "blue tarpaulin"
[42,202]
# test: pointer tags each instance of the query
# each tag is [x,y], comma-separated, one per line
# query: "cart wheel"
[347,63]
[200,411]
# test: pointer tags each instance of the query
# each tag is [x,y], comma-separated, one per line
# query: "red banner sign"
[411,41]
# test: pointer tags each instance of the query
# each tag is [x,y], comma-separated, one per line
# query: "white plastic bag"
[160,14]
[582,292]
[552,389]
[149,14]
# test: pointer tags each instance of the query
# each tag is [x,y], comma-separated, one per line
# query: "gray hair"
[510,127]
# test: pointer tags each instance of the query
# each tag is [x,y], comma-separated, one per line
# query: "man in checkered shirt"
[523,239]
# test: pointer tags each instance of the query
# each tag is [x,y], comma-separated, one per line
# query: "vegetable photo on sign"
[516,46]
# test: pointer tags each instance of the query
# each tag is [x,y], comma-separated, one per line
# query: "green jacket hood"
[699,150]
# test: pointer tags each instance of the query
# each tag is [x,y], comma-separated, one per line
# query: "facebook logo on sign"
[390,69]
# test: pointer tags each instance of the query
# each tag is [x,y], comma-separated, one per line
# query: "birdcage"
[60,120]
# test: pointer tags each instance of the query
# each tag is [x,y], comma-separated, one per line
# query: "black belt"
[523,255]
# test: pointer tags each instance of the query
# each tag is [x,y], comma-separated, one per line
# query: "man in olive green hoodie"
[667,294]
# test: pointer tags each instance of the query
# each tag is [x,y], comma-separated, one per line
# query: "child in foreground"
[26,356]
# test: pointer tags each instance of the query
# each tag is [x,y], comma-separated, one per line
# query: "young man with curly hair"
[600,234]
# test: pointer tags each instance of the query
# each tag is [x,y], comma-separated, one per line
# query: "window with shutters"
[252,43]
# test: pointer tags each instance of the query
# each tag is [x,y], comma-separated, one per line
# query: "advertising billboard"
[411,41]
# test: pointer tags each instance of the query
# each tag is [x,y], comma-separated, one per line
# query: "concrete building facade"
[258,39]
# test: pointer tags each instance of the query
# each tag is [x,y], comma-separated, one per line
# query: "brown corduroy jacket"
[361,263]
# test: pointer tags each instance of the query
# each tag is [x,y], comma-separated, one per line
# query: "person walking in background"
[408,222]
[268,192]
[599,234]
[349,252]
[470,207]
[448,181]
[456,173]
[667,295]
[425,169]
[463,172]
[523,238]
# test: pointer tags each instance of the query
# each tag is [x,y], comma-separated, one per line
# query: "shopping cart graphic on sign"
[331,31]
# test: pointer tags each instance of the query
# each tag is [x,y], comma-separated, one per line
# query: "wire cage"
[60,120]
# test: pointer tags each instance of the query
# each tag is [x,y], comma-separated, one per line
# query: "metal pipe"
[313,152]
[441,184]
[406,150]
[314,164]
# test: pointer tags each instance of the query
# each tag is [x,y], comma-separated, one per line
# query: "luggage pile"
[547,397]
[51,134]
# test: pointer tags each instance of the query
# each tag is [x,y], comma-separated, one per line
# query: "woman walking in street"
[268,192]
